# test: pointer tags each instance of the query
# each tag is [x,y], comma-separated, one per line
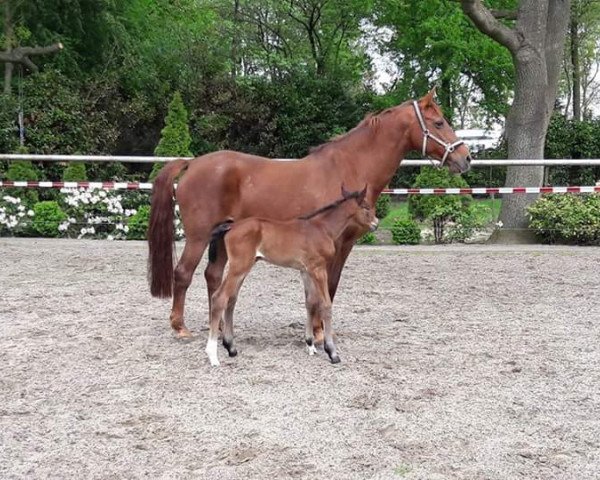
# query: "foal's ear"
[362,194]
[345,193]
[428,99]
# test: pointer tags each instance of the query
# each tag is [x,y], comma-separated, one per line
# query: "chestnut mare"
[222,185]
[306,244]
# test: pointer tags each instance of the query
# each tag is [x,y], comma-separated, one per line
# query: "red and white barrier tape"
[390,191]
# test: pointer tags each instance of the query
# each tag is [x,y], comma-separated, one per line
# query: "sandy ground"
[457,363]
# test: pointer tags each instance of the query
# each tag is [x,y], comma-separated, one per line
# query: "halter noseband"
[449,147]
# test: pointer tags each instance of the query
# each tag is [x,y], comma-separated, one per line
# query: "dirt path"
[457,363]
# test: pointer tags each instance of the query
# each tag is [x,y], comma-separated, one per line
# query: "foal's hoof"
[335,359]
[232,352]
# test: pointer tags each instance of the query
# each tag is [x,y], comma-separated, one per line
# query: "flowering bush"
[82,213]
[15,217]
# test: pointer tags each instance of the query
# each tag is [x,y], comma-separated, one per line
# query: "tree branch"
[57,47]
[504,14]
[485,21]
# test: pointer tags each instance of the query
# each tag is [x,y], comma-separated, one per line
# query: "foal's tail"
[215,237]
[161,231]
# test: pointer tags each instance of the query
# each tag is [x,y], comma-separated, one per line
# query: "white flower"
[21,214]
[125,228]
[21,208]
[83,231]
[110,238]
[499,224]
[30,213]
[91,230]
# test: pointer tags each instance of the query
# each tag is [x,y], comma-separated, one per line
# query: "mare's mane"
[330,206]
[370,122]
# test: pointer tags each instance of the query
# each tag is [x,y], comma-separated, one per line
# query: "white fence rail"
[405,163]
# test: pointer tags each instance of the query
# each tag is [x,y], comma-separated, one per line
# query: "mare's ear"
[428,99]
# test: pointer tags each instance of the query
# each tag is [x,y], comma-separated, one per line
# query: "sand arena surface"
[466,362]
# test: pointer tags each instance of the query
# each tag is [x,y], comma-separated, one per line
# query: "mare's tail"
[161,231]
[217,234]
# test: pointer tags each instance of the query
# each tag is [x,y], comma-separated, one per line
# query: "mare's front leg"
[182,278]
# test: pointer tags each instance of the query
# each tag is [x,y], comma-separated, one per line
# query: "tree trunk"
[536,44]
[576,70]
[8,38]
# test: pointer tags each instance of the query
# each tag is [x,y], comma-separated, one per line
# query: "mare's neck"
[372,155]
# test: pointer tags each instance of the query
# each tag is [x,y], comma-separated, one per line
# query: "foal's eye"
[439,123]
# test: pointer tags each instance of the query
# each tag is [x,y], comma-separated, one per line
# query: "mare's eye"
[439,123]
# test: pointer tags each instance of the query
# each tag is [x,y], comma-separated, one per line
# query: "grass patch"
[487,210]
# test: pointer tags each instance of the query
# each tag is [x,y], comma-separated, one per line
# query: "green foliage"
[566,218]
[383,206]
[406,232]
[47,217]
[434,41]
[75,172]
[368,238]
[573,139]
[138,224]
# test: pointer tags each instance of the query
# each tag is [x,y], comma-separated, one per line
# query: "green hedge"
[566,218]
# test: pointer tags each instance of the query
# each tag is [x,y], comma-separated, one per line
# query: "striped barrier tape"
[390,191]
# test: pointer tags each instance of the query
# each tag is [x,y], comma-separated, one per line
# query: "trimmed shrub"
[566,218]
[24,170]
[47,218]
[406,232]
[383,206]
[368,238]
[138,224]
[75,172]
[175,139]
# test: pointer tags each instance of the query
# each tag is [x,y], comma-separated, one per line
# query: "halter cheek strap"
[448,147]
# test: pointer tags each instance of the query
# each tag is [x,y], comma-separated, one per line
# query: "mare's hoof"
[311,349]
[184,333]
[233,352]
[335,359]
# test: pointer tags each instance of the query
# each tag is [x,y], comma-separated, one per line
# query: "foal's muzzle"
[374,225]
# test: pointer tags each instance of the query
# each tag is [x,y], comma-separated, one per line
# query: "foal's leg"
[183,274]
[213,273]
[220,300]
[334,271]
[312,308]
[228,321]
[320,279]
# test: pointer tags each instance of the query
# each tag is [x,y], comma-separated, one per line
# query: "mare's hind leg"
[184,272]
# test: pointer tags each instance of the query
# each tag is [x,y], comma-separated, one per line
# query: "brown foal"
[306,244]
[226,184]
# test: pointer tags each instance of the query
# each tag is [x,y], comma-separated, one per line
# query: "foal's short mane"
[330,206]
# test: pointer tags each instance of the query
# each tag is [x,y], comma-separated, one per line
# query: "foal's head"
[362,215]
[433,136]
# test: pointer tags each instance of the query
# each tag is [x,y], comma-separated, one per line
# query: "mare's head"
[431,134]
[362,215]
